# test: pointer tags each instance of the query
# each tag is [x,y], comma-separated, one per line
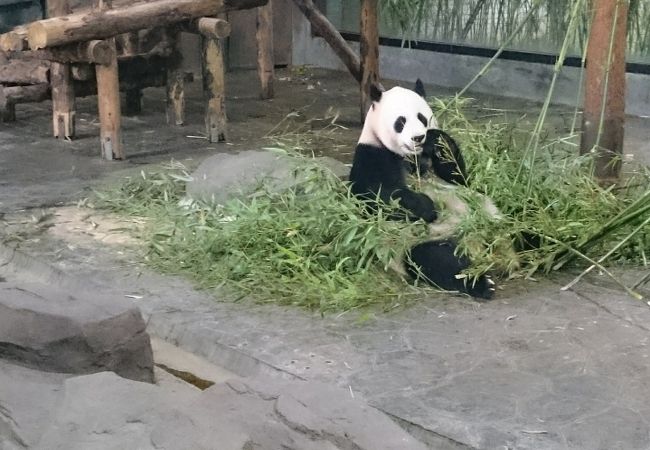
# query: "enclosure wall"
[506,77]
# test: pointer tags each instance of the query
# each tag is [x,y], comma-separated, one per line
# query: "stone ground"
[538,368]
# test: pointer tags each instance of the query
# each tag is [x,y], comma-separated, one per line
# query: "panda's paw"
[430,216]
[483,289]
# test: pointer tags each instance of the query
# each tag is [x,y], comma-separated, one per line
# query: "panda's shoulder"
[374,161]
[375,155]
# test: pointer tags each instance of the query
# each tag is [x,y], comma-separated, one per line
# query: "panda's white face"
[398,119]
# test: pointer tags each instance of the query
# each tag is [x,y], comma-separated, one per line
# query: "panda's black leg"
[437,263]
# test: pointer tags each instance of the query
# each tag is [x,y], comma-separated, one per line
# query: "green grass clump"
[312,246]
[308,246]
[543,187]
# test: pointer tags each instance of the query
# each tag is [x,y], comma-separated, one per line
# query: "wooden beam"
[603,117]
[214,85]
[369,49]
[211,27]
[264,37]
[331,35]
[63,100]
[107,23]
[96,52]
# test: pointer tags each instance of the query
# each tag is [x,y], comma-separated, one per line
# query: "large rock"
[103,411]
[225,176]
[82,332]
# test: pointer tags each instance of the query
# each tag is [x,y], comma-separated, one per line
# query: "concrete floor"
[538,368]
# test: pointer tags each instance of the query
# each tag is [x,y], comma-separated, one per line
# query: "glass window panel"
[488,23]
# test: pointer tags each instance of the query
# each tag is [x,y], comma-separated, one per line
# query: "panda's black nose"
[419,138]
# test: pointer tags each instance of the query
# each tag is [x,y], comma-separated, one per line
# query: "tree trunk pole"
[108,102]
[369,46]
[214,89]
[63,101]
[264,37]
[604,105]
[175,83]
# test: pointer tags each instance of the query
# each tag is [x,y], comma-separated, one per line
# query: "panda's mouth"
[412,149]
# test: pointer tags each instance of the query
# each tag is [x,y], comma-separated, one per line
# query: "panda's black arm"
[416,204]
[442,154]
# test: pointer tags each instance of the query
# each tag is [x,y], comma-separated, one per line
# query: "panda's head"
[398,119]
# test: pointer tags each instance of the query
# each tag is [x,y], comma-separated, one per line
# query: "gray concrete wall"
[529,81]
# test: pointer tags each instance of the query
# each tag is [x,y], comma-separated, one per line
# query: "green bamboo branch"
[608,254]
[576,252]
[547,101]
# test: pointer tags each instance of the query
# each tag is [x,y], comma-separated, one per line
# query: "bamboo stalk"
[570,249]
[607,255]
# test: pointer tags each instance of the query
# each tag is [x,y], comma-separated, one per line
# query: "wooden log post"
[63,101]
[107,23]
[214,81]
[369,49]
[108,102]
[603,117]
[175,83]
[264,37]
[11,95]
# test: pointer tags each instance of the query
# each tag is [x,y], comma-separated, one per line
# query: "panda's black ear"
[419,88]
[376,90]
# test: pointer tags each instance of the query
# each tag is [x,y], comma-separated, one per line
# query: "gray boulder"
[82,332]
[225,176]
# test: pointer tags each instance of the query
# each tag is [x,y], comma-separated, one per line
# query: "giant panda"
[400,127]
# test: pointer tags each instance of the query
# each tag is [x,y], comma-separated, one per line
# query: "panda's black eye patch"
[399,124]
[422,119]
